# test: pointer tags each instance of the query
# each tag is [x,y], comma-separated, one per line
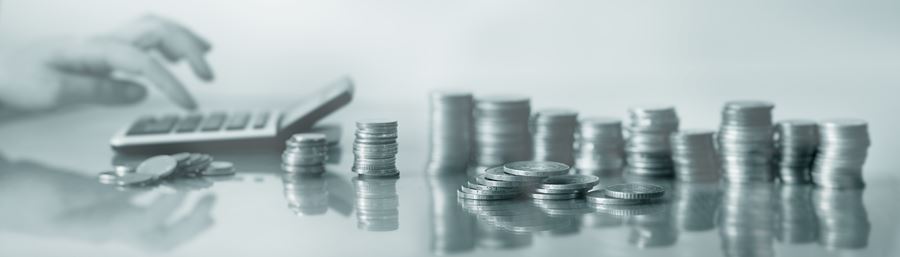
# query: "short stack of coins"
[501,129]
[375,148]
[796,142]
[451,127]
[600,146]
[303,152]
[647,148]
[625,194]
[564,187]
[843,148]
[694,154]
[745,141]
[553,135]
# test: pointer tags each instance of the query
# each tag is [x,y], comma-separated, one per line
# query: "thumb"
[100,90]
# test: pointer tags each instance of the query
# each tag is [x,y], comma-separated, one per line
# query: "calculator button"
[238,121]
[214,122]
[190,123]
[162,125]
[261,120]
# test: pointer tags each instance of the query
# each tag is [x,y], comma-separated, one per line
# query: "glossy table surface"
[52,205]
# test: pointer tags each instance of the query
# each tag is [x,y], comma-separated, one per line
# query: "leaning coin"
[552,196]
[464,195]
[576,181]
[536,168]
[158,166]
[600,197]
[107,177]
[218,168]
[481,179]
[635,191]
[135,179]
[497,173]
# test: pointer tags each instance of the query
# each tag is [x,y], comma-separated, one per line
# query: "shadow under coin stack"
[843,148]
[648,148]
[601,147]
[501,129]
[305,154]
[375,148]
[450,136]
[745,141]
[553,132]
[377,203]
[694,154]
[796,142]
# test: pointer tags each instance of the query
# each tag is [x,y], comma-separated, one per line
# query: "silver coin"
[219,168]
[576,182]
[465,195]
[541,196]
[181,157]
[481,179]
[308,137]
[601,197]
[159,166]
[304,170]
[555,191]
[469,190]
[635,191]
[108,177]
[121,170]
[497,173]
[474,185]
[536,168]
[136,179]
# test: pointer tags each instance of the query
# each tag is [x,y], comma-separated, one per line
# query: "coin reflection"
[795,222]
[746,220]
[377,203]
[695,205]
[452,231]
[843,220]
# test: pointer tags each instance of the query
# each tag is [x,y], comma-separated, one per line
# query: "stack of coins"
[501,129]
[165,167]
[377,203]
[648,149]
[694,154]
[375,148]
[626,194]
[745,141]
[600,145]
[796,142]
[512,180]
[304,151]
[843,148]
[450,136]
[553,135]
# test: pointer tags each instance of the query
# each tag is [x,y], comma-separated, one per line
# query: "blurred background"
[814,59]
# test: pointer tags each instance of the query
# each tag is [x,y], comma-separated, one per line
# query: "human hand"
[97,70]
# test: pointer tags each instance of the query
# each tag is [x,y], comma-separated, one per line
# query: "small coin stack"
[843,148]
[450,136]
[305,153]
[626,194]
[514,179]
[600,145]
[796,142]
[162,167]
[647,148]
[553,133]
[694,154]
[745,141]
[501,129]
[375,148]
[564,187]
[377,203]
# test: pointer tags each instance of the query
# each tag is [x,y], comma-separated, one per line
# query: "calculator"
[173,132]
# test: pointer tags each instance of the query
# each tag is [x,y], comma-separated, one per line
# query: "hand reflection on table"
[44,201]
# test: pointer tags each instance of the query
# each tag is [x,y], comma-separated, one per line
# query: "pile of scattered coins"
[162,167]
[305,153]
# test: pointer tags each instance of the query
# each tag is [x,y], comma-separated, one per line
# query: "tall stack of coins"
[745,141]
[796,142]
[694,154]
[553,132]
[375,148]
[501,129]
[600,146]
[648,149]
[843,148]
[450,137]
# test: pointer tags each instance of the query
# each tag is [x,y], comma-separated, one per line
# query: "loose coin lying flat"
[600,197]
[635,191]
[219,168]
[555,191]
[536,168]
[576,182]
[158,166]
[475,191]
[135,179]
[497,173]
[465,195]
[552,196]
